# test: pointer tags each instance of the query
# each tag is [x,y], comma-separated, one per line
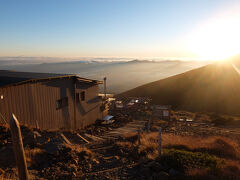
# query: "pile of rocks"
[153,169]
[54,158]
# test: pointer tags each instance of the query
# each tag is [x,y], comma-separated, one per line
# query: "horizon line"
[116,57]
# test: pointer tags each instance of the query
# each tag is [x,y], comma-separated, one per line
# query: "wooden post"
[160,142]
[149,125]
[18,148]
[139,141]
[37,125]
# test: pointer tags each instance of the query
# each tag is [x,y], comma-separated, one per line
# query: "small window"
[83,96]
[77,98]
[62,103]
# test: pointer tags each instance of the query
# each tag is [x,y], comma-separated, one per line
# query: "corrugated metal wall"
[87,111]
[35,103]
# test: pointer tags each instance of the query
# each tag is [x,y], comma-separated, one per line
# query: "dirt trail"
[110,164]
[129,128]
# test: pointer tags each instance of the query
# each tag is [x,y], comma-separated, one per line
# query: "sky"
[120,28]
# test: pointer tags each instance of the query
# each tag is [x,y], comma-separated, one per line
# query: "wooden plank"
[94,138]
[86,141]
[65,139]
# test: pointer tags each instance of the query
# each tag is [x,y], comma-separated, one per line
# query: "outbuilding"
[161,111]
[50,101]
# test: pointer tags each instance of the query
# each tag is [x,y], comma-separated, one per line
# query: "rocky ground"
[91,154]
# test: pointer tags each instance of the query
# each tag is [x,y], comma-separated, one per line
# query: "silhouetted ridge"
[212,88]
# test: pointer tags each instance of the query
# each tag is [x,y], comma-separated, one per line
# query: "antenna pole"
[105,88]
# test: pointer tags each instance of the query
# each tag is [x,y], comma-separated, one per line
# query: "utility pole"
[105,87]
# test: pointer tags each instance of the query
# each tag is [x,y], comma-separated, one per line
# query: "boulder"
[52,148]
[1,171]
[155,166]
[173,172]
[161,176]
[146,172]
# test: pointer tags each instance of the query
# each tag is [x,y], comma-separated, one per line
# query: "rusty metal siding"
[35,103]
[87,111]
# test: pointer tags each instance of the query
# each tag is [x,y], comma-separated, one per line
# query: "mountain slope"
[213,88]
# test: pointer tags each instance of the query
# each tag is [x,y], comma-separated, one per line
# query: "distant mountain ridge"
[121,75]
[212,88]
[38,60]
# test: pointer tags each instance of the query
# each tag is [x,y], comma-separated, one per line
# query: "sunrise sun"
[218,38]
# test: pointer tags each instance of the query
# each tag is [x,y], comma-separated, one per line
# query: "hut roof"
[8,78]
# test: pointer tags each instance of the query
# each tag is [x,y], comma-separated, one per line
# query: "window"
[80,97]
[77,98]
[83,96]
[62,103]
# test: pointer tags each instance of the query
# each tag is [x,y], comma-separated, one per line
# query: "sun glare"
[217,39]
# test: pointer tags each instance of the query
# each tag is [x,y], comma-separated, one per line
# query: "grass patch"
[182,160]
[195,157]
[225,120]
[215,145]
